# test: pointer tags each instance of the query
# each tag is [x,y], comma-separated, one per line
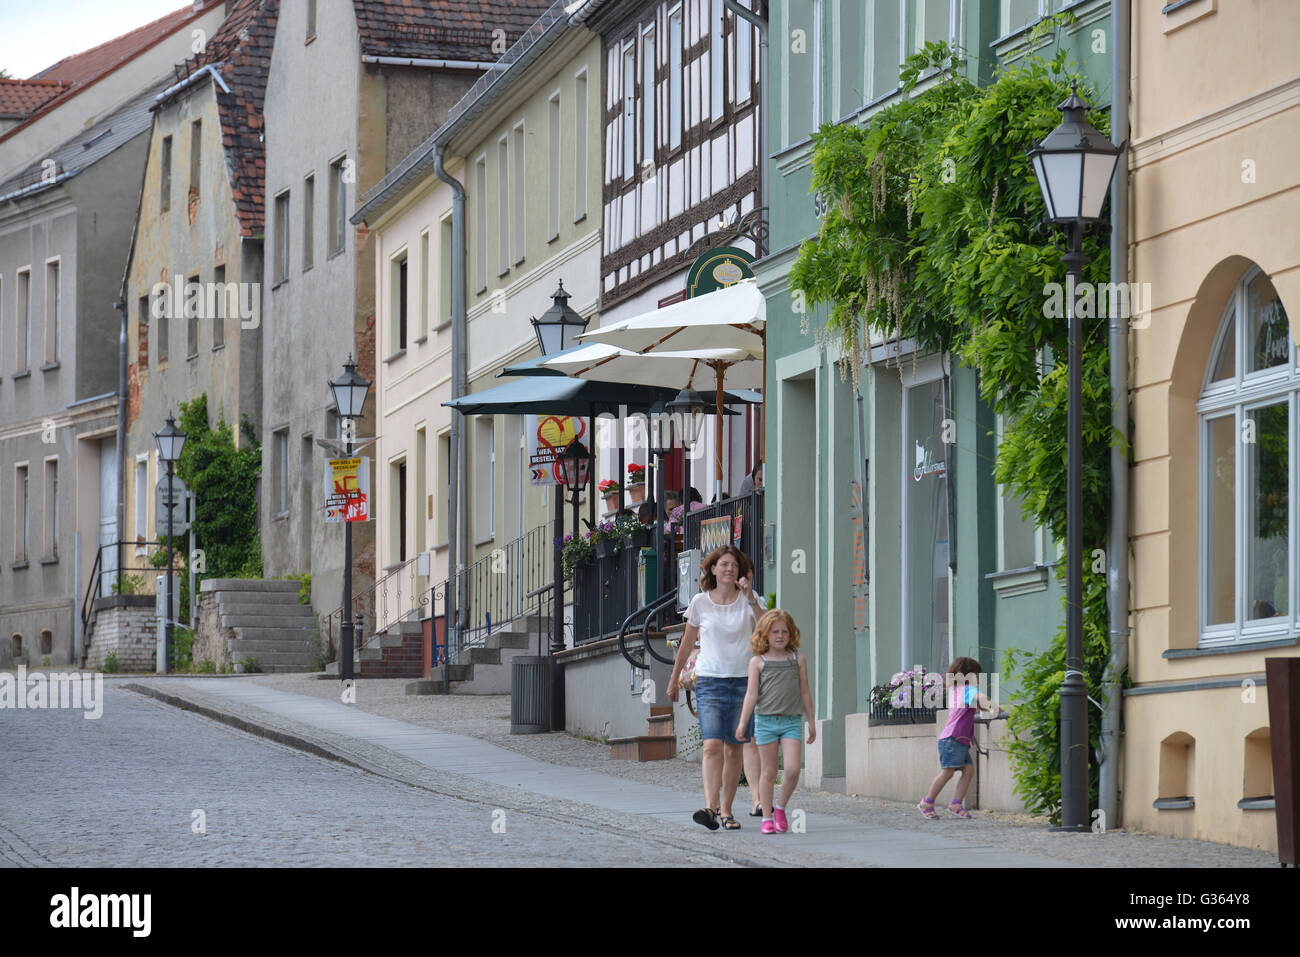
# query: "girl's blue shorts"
[774,727]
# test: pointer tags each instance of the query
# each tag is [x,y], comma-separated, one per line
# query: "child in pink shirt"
[958,736]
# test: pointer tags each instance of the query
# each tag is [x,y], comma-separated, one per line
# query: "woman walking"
[722,618]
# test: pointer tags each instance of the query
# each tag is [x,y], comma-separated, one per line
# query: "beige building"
[1214,402]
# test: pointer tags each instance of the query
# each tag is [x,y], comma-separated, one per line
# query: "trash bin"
[530,694]
[648,576]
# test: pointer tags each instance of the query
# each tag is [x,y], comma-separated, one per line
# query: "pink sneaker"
[778,818]
[768,827]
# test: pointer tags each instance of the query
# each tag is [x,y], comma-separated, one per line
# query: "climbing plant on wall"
[935,230]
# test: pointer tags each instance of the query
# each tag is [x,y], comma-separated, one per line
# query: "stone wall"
[211,638]
[127,625]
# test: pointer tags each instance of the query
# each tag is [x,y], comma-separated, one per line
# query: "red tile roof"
[241,51]
[19,99]
[81,70]
[444,29]
[84,66]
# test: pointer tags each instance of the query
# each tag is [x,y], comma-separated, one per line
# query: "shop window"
[1247,427]
[1177,772]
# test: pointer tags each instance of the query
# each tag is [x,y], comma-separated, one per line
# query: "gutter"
[432,64]
[211,69]
[1117,575]
[457,544]
[120,306]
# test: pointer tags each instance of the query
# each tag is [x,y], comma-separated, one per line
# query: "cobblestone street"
[123,790]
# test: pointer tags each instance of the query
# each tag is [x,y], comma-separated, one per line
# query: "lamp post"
[170,441]
[1074,165]
[559,327]
[575,469]
[350,392]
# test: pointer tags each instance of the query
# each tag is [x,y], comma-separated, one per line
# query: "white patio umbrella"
[606,363]
[731,320]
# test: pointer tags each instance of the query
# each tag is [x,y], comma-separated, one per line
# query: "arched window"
[1247,418]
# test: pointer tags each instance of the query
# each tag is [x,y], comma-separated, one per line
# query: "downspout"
[1117,546]
[457,552]
[120,306]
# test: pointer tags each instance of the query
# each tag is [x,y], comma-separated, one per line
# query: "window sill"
[17,565]
[485,541]
[309,41]
[281,516]
[501,275]
[580,219]
[25,374]
[1019,581]
[396,565]
[1257,804]
[395,356]
[553,239]
[279,282]
[50,560]
[439,545]
[421,341]
[442,325]
[191,357]
[219,347]
[50,366]
[335,253]
[1173,804]
[307,268]
[1237,648]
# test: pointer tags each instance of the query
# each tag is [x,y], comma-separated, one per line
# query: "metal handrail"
[94,584]
[648,611]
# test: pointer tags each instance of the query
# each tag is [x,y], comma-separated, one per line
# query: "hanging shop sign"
[548,436]
[347,483]
[718,268]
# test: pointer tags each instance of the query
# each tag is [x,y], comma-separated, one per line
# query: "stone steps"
[264,620]
[658,744]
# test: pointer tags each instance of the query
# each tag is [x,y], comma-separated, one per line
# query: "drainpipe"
[457,553]
[1117,546]
[120,306]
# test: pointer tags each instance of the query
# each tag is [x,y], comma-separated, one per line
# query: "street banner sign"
[548,436]
[347,489]
[170,500]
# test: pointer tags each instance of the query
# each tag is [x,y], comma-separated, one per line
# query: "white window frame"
[503,205]
[338,205]
[142,498]
[424,286]
[283,223]
[676,113]
[23,322]
[480,223]
[53,303]
[1237,397]
[743,84]
[22,512]
[629,111]
[581,106]
[553,136]
[282,490]
[395,341]
[50,507]
[649,95]
[717,59]
[519,161]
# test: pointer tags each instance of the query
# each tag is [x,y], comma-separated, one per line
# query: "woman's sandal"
[706,816]
[729,823]
[927,809]
[757,812]
[958,809]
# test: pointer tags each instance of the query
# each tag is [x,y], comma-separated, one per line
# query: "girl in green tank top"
[779,699]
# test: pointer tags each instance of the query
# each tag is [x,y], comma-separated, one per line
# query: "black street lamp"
[350,392]
[559,327]
[170,441]
[575,466]
[1074,165]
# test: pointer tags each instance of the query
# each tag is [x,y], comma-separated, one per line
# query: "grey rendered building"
[64,227]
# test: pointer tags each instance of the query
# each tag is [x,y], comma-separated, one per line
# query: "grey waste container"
[530,694]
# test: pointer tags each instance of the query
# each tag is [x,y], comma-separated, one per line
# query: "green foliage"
[251,666]
[110,663]
[935,231]
[206,667]
[1035,723]
[182,641]
[317,647]
[129,585]
[304,587]
[224,480]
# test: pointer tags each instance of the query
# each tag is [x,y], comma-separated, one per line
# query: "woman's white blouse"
[724,636]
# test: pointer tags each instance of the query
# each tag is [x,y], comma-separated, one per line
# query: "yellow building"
[1215,393]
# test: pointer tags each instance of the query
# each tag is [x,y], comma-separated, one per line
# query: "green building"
[895,546]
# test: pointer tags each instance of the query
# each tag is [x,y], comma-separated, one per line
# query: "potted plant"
[909,698]
[636,483]
[632,533]
[609,490]
[574,551]
[606,539]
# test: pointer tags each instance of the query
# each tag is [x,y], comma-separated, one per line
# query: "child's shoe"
[768,827]
[778,818]
[958,809]
[926,807]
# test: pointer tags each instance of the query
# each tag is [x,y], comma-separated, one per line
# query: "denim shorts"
[774,727]
[953,754]
[719,702]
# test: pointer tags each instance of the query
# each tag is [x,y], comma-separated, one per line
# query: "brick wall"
[127,625]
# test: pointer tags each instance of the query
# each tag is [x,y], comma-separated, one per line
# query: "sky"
[35,34]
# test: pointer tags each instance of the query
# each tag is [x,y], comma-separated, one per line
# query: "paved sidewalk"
[461,745]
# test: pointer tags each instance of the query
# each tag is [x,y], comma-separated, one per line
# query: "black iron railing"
[749,509]
[604,594]
[117,569]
